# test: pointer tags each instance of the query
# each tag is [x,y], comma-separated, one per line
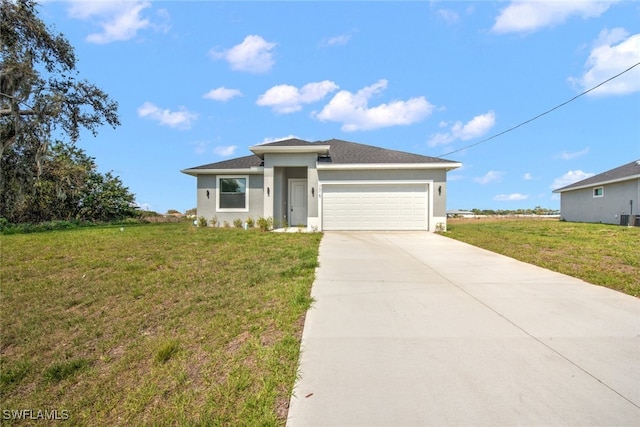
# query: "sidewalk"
[415,329]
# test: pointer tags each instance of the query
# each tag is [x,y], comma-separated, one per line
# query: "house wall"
[438,176]
[279,168]
[207,205]
[580,205]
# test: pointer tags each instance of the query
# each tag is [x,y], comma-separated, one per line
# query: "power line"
[541,114]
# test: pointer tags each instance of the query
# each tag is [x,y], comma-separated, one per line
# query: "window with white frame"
[598,192]
[233,194]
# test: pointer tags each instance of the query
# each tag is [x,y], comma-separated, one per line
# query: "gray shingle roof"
[292,142]
[629,170]
[340,152]
[344,152]
[239,163]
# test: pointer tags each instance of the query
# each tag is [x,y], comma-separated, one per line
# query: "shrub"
[202,222]
[265,224]
[250,222]
[237,223]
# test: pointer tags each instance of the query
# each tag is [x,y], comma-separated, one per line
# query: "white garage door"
[374,206]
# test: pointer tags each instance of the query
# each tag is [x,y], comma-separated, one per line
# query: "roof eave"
[246,171]
[261,150]
[362,166]
[596,184]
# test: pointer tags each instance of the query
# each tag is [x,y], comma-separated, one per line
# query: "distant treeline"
[535,211]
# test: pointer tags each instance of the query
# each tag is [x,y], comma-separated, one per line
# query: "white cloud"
[270,140]
[449,16]
[353,110]
[200,147]
[176,119]
[491,176]
[120,20]
[288,99]
[510,197]
[570,178]
[336,41]
[222,94]
[253,55]
[225,151]
[528,177]
[613,52]
[528,16]
[475,128]
[565,155]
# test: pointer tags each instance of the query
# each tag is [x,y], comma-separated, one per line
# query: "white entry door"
[297,202]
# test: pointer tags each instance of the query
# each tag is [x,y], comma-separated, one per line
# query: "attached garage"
[375,206]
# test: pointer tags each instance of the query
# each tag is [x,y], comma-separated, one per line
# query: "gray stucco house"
[327,185]
[611,197]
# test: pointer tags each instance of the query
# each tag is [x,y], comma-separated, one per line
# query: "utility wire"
[541,114]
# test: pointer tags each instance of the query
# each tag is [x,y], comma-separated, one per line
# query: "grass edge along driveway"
[601,254]
[156,324]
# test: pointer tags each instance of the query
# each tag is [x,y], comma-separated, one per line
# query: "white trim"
[246,194]
[260,150]
[429,221]
[258,170]
[343,166]
[597,196]
[361,166]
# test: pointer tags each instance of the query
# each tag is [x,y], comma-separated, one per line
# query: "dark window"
[598,192]
[233,193]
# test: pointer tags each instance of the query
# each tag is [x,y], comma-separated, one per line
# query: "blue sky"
[201,81]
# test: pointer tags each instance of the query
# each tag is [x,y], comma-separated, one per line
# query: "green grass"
[606,255]
[157,324]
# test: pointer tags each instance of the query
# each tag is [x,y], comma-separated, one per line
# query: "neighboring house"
[460,214]
[611,197]
[327,185]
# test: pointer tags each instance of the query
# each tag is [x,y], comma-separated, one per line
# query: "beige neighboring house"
[327,185]
[611,197]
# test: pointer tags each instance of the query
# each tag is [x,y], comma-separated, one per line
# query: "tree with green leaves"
[41,99]
[71,188]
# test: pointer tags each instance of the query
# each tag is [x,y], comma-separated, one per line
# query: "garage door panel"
[374,207]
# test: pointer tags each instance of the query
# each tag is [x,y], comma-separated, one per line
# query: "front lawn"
[155,324]
[606,255]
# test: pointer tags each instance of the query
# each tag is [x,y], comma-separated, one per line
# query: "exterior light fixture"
[313,191]
[268,192]
[207,194]
[439,190]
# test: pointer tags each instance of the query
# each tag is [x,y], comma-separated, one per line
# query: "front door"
[297,202]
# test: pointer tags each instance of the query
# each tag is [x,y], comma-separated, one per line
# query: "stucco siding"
[206,206]
[581,206]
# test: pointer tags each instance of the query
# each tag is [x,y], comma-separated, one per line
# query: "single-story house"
[327,185]
[611,197]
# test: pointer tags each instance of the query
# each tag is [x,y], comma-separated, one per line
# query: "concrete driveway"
[412,328]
